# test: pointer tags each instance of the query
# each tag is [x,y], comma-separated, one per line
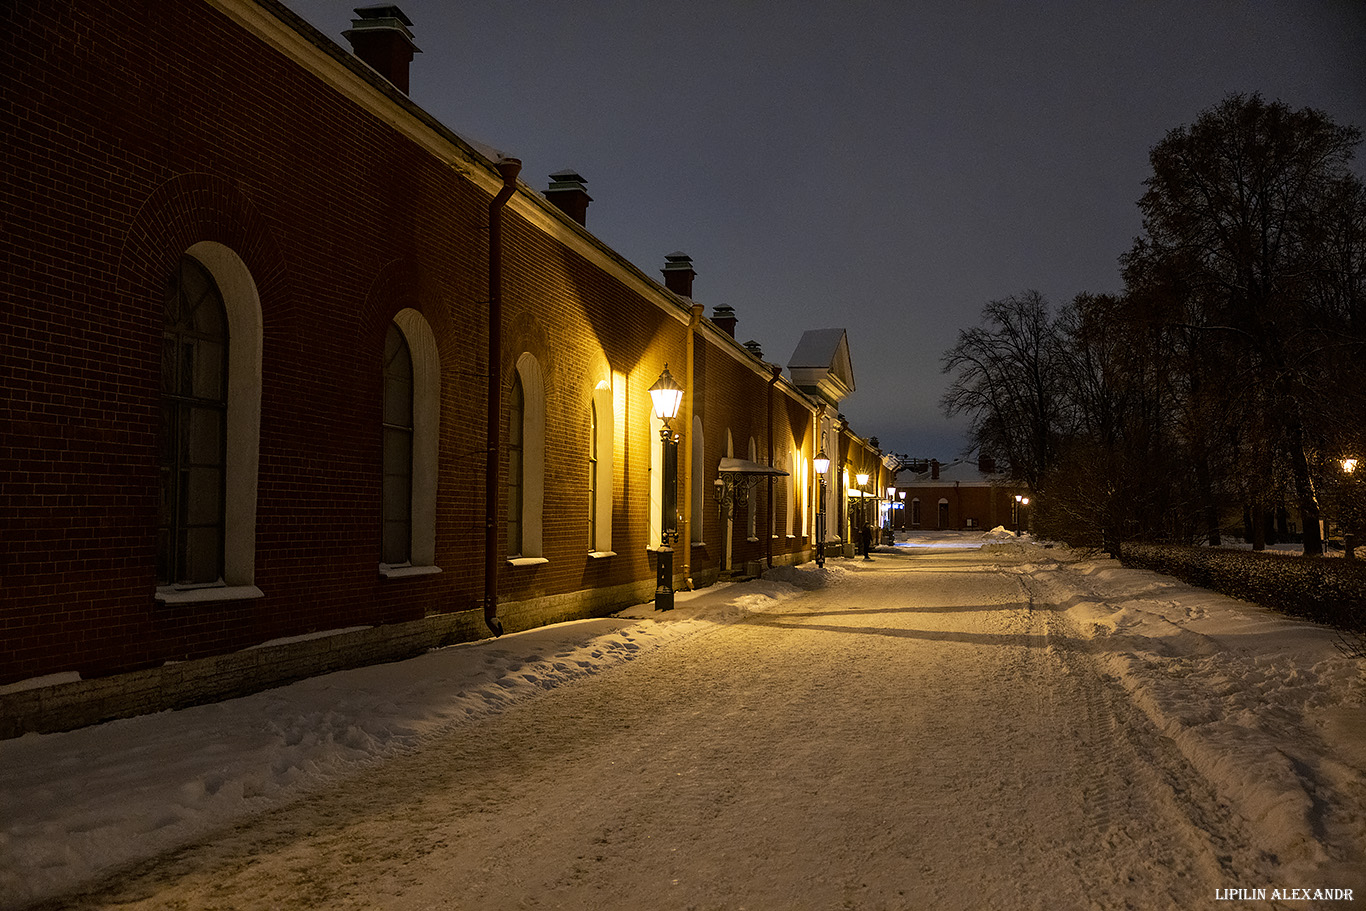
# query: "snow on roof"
[817,348]
[959,472]
[821,364]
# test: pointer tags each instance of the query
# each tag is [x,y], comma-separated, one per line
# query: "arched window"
[698,491]
[600,470]
[194,416]
[397,496]
[752,498]
[593,476]
[516,463]
[408,545]
[241,435]
[790,483]
[526,461]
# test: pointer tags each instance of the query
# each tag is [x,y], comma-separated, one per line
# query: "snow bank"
[1262,706]
[79,805]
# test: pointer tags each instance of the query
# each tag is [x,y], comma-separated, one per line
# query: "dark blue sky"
[887,167]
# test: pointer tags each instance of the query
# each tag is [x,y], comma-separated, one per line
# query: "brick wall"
[133,135]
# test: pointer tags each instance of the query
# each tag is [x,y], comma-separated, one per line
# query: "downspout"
[776,372]
[509,168]
[694,321]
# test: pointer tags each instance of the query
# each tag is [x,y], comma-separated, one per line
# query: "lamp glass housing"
[822,462]
[667,396]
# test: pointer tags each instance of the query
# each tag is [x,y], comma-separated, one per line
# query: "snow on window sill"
[170,594]
[526,561]
[599,554]
[406,570]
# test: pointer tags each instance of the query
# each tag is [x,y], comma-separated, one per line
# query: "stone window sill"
[169,594]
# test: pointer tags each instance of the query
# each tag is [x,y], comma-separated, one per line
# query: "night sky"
[886,167]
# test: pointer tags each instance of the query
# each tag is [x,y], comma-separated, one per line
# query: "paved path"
[914,737]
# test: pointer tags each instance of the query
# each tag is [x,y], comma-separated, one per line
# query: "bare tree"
[1006,379]
[1236,205]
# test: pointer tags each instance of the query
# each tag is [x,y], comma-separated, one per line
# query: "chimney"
[754,348]
[934,469]
[380,38]
[569,196]
[723,315]
[986,464]
[678,273]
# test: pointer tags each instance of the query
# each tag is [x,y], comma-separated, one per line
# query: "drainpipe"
[690,384]
[776,372]
[509,169]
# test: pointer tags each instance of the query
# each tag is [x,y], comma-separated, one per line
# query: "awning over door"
[746,467]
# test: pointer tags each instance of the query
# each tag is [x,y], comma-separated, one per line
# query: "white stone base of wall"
[68,705]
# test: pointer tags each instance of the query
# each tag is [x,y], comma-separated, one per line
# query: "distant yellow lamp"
[1349,465]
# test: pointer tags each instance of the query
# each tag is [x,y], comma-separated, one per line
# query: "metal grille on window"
[194,409]
[397,496]
[516,416]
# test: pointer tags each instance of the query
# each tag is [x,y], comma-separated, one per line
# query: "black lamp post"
[667,396]
[822,466]
[862,479]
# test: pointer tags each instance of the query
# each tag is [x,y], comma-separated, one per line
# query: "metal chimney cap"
[383,11]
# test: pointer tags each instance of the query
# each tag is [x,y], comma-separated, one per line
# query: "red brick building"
[251,296]
[959,495]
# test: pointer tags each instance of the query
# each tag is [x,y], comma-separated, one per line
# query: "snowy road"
[915,736]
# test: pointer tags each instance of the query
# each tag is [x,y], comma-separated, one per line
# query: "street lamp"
[1349,543]
[667,396]
[891,512]
[822,466]
[862,479]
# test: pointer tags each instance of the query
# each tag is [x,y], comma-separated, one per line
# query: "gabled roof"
[961,473]
[821,365]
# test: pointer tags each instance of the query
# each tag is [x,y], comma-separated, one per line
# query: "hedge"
[1328,591]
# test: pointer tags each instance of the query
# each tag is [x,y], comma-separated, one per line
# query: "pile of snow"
[1264,707]
[77,805]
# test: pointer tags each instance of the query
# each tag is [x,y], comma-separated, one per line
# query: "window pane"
[205,436]
[209,375]
[205,506]
[203,555]
[398,379]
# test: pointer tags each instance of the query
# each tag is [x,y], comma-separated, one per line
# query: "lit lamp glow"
[667,396]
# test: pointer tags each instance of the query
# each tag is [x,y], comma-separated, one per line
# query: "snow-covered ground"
[1264,708]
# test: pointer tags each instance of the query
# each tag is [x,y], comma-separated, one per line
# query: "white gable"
[821,364]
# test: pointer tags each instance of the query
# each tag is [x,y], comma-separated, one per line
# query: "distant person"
[866,540]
